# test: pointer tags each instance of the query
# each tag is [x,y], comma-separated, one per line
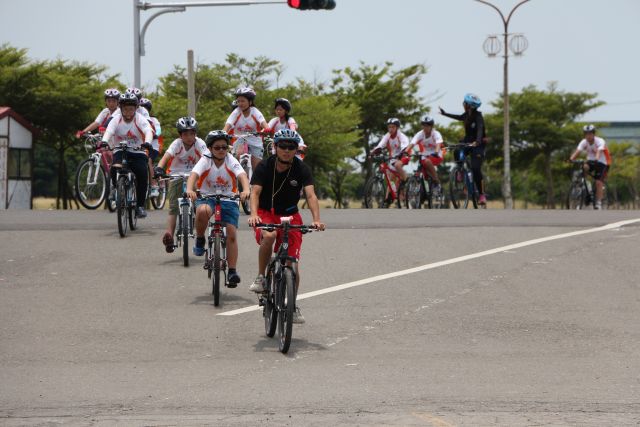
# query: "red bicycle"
[383,188]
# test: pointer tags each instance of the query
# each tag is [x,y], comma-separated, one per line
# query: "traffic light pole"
[169,7]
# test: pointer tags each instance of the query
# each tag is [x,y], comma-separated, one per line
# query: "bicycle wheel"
[184,233]
[374,194]
[437,199]
[414,193]
[285,312]
[216,270]
[458,188]
[110,203]
[428,194]
[159,201]
[131,203]
[246,206]
[91,184]
[475,194]
[121,203]
[269,311]
[576,197]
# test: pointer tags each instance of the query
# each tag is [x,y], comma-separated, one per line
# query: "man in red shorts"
[276,187]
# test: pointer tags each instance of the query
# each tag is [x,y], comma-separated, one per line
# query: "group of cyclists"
[278,181]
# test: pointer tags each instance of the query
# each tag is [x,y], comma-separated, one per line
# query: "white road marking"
[450,261]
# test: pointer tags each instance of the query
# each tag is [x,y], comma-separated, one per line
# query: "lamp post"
[168,7]
[492,47]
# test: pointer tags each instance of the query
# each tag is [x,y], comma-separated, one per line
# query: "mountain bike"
[581,190]
[215,260]
[92,183]
[384,187]
[462,189]
[420,189]
[186,215]
[240,149]
[278,299]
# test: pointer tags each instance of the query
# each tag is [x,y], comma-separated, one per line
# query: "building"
[16,160]
[621,132]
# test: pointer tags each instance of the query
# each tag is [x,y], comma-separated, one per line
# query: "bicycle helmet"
[186,123]
[393,121]
[284,103]
[146,103]
[127,99]
[134,90]
[286,135]
[472,101]
[215,135]
[247,92]
[427,120]
[112,93]
[589,129]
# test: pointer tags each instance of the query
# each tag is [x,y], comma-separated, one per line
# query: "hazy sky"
[583,45]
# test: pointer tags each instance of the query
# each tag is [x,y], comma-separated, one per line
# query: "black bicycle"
[581,190]
[278,299]
[215,260]
[462,189]
[186,215]
[421,190]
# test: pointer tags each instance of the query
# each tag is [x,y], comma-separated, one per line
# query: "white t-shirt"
[428,146]
[592,149]
[241,124]
[275,124]
[135,132]
[222,180]
[104,116]
[156,124]
[394,145]
[184,160]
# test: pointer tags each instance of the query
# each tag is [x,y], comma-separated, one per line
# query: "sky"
[583,45]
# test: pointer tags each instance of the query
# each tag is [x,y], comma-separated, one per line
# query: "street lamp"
[517,44]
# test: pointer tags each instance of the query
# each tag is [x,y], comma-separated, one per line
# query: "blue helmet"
[286,135]
[472,101]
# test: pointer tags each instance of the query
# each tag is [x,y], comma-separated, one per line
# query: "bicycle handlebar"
[302,227]
[218,197]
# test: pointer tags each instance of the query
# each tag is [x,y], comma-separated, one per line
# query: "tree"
[542,123]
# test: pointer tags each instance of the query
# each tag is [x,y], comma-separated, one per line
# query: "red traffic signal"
[312,4]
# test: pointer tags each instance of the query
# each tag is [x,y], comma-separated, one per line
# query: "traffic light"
[312,4]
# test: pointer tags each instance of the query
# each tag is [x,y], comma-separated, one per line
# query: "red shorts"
[404,160]
[295,236]
[435,160]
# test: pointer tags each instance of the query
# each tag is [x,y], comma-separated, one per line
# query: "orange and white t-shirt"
[428,146]
[592,150]
[243,124]
[134,132]
[218,180]
[182,159]
[394,144]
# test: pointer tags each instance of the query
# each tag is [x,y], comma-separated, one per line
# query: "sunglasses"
[288,147]
[219,147]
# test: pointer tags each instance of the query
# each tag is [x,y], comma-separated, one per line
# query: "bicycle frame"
[391,177]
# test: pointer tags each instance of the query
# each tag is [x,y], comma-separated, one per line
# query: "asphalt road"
[99,330]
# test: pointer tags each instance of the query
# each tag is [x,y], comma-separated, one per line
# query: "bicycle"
[158,201]
[241,150]
[384,187]
[420,189]
[278,299]
[462,189]
[581,191]
[92,180]
[186,215]
[215,261]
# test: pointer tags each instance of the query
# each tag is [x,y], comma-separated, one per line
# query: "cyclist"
[133,128]
[277,184]
[429,142]
[155,145]
[283,120]
[598,159]
[218,173]
[396,143]
[247,118]
[111,97]
[475,136]
[181,156]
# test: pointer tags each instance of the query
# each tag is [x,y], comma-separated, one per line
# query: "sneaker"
[297,316]
[233,278]
[167,241]
[482,200]
[155,191]
[140,212]
[598,205]
[198,248]
[258,284]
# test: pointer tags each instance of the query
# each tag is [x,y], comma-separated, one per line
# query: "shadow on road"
[224,297]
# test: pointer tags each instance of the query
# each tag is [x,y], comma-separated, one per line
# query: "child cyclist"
[247,118]
[429,143]
[180,158]
[111,98]
[283,120]
[218,172]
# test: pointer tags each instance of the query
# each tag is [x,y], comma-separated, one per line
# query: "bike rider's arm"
[244,181]
[577,152]
[191,186]
[452,116]
[110,131]
[479,129]
[254,202]
[314,206]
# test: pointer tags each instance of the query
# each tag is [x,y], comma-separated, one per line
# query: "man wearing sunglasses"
[276,187]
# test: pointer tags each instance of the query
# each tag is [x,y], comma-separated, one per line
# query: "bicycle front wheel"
[458,189]
[131,203]
[576,197]
[414,193]
[269,312]
[374,194]
[159,201]
[91,184]
[121,205]
[285,313]
[216,271]
[184,231]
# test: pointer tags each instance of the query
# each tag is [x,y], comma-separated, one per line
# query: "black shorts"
[599,170]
